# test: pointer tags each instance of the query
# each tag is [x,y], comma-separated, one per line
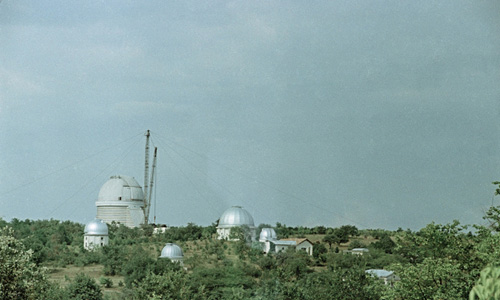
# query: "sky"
[378,114]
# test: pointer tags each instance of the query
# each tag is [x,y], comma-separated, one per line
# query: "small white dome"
[267,234]
[171,251]
[96,227]
[235,216]
[120,188]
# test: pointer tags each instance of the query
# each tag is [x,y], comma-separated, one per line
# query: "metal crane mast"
[146,179]
[151,186]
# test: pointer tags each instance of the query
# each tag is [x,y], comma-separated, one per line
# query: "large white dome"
[171,251]
[96,227]
[120,188]
[235,216]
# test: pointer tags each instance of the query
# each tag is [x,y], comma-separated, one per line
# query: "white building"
[121,200]
[95,235]
[387,276]
[358,251]
[267,235]
[235,217]
[302,245]
[270,243]
[172,252]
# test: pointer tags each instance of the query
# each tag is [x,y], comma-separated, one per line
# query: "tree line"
[439,261]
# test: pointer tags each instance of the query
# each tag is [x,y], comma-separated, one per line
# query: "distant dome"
[120,188]
[96,227]
[267,234]
[235,216]
[171,251]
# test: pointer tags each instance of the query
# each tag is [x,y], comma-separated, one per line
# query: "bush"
[84,288]
[106,282]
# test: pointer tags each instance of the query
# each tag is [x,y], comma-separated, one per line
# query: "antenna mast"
[151,185]
[146,179]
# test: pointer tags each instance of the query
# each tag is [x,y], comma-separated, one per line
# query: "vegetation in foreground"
[451,261]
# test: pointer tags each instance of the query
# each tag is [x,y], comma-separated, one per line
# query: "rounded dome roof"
[235,216]
[96,227]
[120,188]
[171,251]
[268,234]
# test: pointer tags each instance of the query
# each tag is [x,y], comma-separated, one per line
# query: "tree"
[20,278]
[385,243]
[488,285]
[433,278]
[170,285]
[137,267]
[318,250]
[329,239]
[338,236]
[493,213]
[84,288]
[346,284]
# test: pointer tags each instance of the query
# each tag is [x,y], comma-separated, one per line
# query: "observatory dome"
[120,188]
[171,251]
[267,234]
[235,216]
[121,201]
[96,227]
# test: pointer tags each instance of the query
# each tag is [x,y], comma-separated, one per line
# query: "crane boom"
[151,183]
[146,179]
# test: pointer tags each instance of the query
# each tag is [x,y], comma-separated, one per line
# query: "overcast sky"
[380,114]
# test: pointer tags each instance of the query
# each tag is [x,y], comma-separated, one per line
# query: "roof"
[120,188]
[298,241]
[235,216]
[96,227]
[360,250]
[171,251]
[284,243]
[380,273]
[267,234]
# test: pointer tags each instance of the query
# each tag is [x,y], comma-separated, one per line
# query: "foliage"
[137,266]
[356,244]
[173,284]
[20,278]
[488,285]
[84,288]
[437,241]
[106,282]
[433,278]
[318,251]
[385,243]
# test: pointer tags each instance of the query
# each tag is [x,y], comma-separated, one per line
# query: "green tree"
[488,285]
[385,243]
[318,250]
[338,236]
[84,288]
[20,278]
[433,278]
[169,285]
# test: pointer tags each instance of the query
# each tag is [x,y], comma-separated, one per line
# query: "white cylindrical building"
[172,252]
[233,217]
[267,235]
[95,234]
[121,200]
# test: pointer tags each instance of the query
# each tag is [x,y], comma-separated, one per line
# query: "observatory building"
[266,237]
[235,216]
[121,200]
[95,235]
[172,252]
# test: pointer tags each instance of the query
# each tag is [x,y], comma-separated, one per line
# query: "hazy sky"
[380,114]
